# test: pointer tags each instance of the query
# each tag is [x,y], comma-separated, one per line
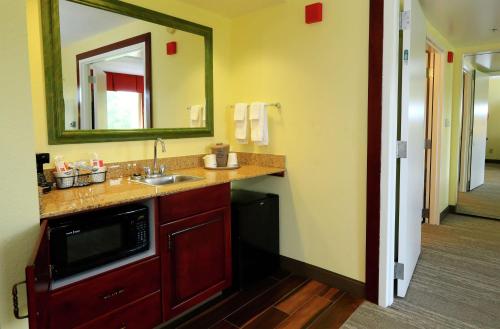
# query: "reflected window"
[125,101]
[124,110]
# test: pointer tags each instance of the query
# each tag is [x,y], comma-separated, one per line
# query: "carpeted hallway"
[456,283]
[484,200]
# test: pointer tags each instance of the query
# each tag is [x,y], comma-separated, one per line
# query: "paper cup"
[210,161]
[232,160]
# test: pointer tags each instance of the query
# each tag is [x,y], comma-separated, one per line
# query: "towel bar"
[276,105]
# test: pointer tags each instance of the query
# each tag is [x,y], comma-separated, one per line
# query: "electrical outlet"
[491,151]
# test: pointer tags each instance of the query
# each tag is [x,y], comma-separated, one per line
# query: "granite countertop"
[121,190]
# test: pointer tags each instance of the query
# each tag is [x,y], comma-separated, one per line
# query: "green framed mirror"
[119,72]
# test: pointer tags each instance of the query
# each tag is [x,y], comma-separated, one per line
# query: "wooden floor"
[483,201]
[283,301]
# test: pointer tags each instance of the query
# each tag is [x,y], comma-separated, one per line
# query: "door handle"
[15,301]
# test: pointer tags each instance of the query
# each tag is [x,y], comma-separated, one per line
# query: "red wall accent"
[314,13]
[450,56]
[172,48]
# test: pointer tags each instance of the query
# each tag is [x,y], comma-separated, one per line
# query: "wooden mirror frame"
[54,87]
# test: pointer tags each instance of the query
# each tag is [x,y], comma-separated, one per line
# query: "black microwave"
[86,241]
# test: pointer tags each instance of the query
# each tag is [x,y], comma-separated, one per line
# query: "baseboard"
[448,210]
[354,287]
[492,161]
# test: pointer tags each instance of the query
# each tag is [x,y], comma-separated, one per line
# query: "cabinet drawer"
[185,204]
[142,314]
[85,301]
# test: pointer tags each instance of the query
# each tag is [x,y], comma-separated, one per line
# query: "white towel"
[241,123]
[196,116]
[258,123]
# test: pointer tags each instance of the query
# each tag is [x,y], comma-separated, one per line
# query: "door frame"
[437,125]
[381,150]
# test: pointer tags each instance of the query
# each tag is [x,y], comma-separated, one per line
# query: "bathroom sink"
[167,179]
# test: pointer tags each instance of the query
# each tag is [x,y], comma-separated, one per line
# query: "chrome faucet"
[161,171]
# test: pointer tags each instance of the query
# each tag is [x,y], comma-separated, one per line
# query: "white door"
[479,130]
[412,168]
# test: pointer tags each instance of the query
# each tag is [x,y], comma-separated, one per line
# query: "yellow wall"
[319,73]
[444,176]
[493,146]
[142,149]
[178,81]
[18,193]
[456,123]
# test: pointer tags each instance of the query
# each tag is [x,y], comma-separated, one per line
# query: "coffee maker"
[42,158]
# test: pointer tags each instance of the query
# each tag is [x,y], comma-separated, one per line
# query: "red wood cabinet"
[38,281]
[114,297]
[194,264]
[142,314]
[184,204]
[83,302]
[196,259]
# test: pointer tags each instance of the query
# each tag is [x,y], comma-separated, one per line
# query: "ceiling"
[122,61]
[124,65]
[465,22]
[79,22]
[486,62]
[232,8]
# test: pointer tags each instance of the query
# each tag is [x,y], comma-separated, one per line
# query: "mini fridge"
[255,236]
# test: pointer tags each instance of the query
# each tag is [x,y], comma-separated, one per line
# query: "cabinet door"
[196,260]
[38,281]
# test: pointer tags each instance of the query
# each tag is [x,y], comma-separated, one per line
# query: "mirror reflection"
[124,73]
[479,176]
[114,87]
